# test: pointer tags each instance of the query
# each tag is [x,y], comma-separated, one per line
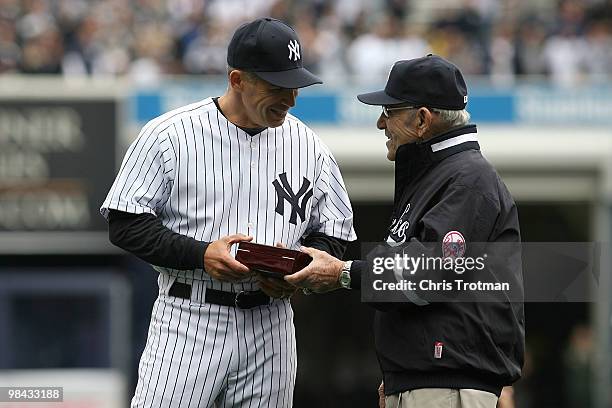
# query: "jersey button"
[252,145]
[253,165]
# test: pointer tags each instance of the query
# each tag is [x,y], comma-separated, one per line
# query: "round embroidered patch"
[453,245]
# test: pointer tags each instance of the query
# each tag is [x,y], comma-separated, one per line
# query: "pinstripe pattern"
[206,178]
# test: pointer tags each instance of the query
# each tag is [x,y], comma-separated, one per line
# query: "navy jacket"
[445,186]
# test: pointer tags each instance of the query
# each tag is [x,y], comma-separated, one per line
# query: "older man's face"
[399,127]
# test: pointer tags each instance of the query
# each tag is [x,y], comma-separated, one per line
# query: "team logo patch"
[453,245]
[294,50]
[298,201]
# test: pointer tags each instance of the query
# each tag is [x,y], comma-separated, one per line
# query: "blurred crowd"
[569,41]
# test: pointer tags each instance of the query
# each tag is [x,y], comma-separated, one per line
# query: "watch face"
[345,279]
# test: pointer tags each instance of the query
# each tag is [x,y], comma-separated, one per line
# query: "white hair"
[452,118]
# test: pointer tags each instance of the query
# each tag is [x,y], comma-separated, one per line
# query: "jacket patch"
[453,245]
[438,349]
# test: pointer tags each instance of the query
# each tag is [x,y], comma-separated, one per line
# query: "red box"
[271,261]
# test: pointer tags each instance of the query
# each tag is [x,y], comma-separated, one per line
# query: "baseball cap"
[428,81]
[271,50]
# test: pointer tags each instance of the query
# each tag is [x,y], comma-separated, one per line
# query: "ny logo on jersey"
[284,192]
[294,50]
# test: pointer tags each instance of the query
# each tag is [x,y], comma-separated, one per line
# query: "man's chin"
[276,118]
[391,149]
[276,122]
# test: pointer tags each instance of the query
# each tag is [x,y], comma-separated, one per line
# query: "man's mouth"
[279,112]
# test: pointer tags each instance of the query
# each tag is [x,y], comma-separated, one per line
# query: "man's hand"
[220,264]
[381,395]
[506,399]
[276,288]
[321,275]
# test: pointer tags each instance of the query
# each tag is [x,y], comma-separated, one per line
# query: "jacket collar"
[438,148]
[413,158]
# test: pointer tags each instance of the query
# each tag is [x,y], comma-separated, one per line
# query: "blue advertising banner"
[525,104]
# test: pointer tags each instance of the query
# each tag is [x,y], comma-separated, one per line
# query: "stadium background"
[79,78]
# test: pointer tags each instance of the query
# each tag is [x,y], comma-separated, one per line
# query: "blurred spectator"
[83,49]
[206,54]
[502,55]
[372,54]
[563,54]
[326,45]
[564,50]
[153,52]
[461,35]
[598,49]
[42,52]
[233,12]
[569,41]
[528,48]
[42,47]
[10,53]
[451,43]
[312,48]
[570,19]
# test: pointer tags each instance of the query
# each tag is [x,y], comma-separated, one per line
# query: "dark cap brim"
[292,78]
[378,98]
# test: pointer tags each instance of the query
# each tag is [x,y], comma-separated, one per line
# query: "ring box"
[271,261]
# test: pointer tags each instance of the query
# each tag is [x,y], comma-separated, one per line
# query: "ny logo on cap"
[294,50]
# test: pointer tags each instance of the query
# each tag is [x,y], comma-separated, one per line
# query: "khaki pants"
[441,398]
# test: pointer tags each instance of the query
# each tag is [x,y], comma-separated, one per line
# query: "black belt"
[242,300]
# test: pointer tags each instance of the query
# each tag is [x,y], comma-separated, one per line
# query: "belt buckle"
[240,296]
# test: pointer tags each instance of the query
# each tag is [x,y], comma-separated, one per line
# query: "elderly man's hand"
[321,275]
[506,399]
[274,287]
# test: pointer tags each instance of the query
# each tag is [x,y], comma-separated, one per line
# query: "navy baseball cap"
[428,81]
[271,50]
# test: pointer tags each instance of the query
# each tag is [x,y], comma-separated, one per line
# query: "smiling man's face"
[400,128]
[266,105]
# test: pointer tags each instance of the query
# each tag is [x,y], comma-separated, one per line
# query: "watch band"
[345,275]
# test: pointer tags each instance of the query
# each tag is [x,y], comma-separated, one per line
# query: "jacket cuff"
[356,268]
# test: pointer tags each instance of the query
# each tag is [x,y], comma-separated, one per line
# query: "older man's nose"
[382,122]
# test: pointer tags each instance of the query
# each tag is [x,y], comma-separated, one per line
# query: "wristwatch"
[345,275]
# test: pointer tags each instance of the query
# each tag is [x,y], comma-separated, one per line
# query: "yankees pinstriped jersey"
[206,178]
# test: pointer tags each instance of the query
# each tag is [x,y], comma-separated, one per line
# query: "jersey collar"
[250,131]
